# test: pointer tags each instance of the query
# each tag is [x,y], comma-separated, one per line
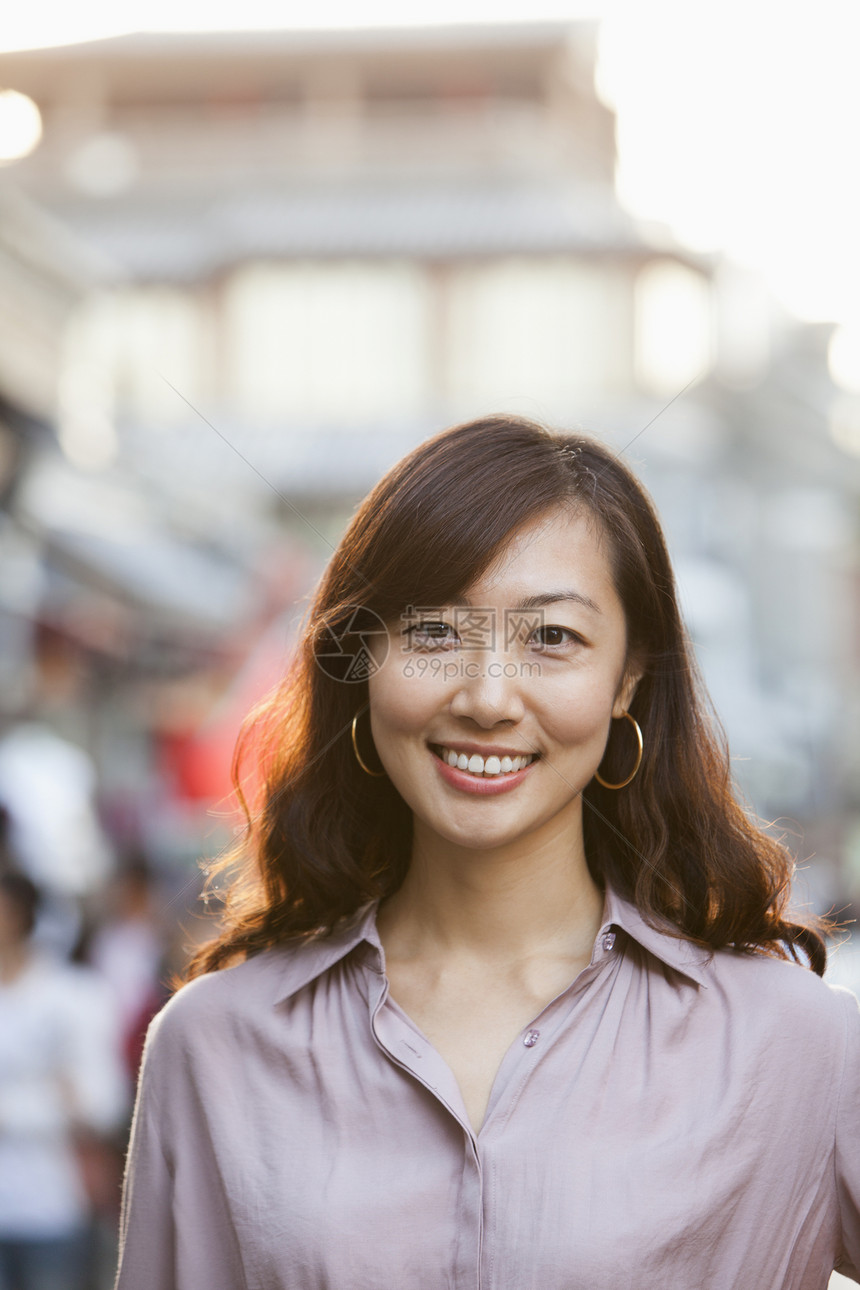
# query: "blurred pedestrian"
[61,1086]
[127,948]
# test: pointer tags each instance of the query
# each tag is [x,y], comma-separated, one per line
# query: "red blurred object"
[198,763]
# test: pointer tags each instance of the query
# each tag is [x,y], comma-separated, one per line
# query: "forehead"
[564,548]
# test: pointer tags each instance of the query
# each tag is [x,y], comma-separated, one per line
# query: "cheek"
[572,713]
[401,703]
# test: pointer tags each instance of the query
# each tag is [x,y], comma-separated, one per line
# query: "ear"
[626,690]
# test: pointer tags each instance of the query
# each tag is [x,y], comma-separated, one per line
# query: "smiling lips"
[490,766]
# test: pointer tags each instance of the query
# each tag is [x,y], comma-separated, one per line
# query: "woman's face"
[517,684]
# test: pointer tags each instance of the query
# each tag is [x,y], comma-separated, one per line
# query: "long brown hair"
[324,837]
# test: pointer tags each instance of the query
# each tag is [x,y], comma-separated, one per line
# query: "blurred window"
[548,329]
[673,326]
[121,349]
[343,342]
[161,331]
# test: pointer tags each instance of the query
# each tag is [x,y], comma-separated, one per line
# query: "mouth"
[493,766]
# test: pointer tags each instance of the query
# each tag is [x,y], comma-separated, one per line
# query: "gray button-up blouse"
[672,1118]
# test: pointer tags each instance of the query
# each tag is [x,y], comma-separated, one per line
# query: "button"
[608,941]
[530,1038]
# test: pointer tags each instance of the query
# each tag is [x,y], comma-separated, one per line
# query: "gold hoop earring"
[377,774]
[624,782]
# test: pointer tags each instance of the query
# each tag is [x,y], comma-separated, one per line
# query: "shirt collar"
[664,943]
[303,964]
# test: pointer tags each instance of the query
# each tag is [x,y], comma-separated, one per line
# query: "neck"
[508,904]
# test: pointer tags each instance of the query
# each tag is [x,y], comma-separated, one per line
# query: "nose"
[489,693]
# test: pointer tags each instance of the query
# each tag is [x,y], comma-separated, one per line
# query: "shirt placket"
[408,1049]
[535,1039]
[516,1069]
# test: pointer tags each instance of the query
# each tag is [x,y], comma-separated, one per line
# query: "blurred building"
[315,249]
[353,234]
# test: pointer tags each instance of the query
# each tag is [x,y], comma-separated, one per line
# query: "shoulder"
[220,1033]
[217,1005]
[783,1001]
[238,1001]
[239,998]
[767,978]
[253,978]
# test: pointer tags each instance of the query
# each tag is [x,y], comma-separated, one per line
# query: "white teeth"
[475,764]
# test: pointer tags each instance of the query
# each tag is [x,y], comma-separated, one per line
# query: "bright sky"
[737,119]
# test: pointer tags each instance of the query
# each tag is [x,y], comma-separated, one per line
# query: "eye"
[432,634]
[550,636]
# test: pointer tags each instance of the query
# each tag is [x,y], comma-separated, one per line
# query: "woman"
[507,994]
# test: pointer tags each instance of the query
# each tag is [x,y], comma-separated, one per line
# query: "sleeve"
[847,1150]
[179,1225]
[146,1235]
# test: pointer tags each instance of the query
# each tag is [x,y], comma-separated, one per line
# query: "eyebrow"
[544,598]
